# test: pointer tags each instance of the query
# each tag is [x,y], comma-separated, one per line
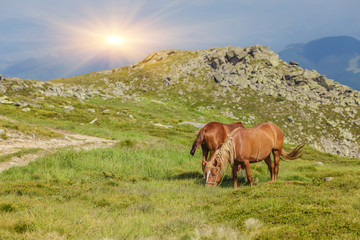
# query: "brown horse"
[211,137]
[244,146]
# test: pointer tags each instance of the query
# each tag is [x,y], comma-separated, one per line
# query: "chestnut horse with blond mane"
[211,137]
[249,145]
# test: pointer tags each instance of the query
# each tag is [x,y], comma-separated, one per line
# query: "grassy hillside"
[148,186]
[151,188]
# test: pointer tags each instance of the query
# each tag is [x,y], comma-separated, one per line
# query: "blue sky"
[68,30]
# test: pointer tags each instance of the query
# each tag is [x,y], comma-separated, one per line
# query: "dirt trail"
[17,141]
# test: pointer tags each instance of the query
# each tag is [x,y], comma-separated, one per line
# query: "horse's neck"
[231,151]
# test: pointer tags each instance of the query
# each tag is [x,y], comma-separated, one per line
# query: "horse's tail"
[294,153]
[198,141]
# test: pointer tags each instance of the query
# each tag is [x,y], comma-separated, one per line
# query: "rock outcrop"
[260,69]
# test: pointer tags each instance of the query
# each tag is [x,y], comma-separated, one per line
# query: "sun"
[115,40]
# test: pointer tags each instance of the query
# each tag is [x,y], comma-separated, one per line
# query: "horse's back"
[215,135]
[259,140]
[273,132]
[267,127]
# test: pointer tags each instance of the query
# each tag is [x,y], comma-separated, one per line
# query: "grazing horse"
[249,145]
[211,137]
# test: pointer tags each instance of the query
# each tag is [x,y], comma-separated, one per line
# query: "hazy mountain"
[336,57]
[38,58]
[53,66]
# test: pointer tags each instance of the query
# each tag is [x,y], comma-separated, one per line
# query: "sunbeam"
[120,33]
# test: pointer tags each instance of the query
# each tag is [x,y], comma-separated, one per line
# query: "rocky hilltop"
[253,84]
[259,69]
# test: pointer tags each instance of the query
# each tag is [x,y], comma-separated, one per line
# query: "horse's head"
[213,173]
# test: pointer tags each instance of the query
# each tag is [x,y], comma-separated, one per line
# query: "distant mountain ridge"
[337,58]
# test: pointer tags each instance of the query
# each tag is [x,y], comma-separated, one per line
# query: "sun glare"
[115,40]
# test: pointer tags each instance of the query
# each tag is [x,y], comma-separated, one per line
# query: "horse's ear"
[217,163]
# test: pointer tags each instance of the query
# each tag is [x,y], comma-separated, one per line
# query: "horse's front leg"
[234,174]
[238,169]
[205,152]
[248,173]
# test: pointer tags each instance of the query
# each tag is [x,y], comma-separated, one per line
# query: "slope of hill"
[248,84]
[335,57]
[148,185]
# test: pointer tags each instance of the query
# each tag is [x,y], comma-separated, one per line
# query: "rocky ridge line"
[260,69]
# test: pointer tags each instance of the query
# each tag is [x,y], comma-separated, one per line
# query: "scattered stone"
[91,110]
[163,126]
[230,115]
[157,101]
[357,122]
[5,100]
[69,107]
[40,98]
[17,87]
[20,104]
[26,110]
[331,123]
[167,81]
[328,179]
[93,121]
[106,112]
[320,163]
[293,63]
[198,125]
[2,131]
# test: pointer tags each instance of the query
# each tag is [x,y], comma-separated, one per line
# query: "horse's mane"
[226,153]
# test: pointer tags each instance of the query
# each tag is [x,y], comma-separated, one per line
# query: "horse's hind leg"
[270,167]
[276,154]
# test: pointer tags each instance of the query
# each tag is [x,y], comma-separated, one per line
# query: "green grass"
[24,127]
[7,157]
[157,191]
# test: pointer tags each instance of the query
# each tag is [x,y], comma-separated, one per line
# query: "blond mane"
[226,153]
